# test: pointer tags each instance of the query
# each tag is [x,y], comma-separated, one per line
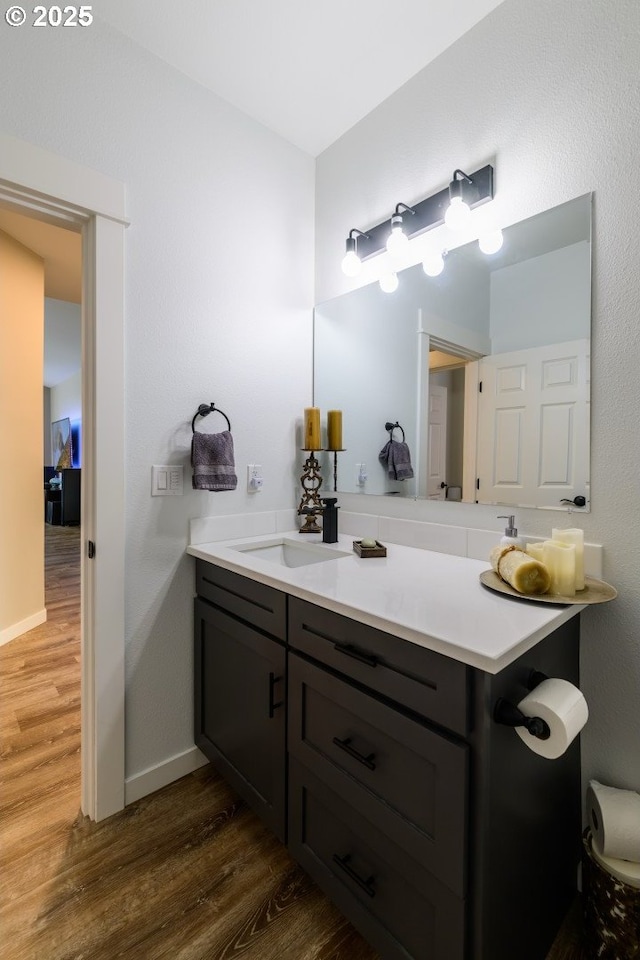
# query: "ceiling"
[308,71]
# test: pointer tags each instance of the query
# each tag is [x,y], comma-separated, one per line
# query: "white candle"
[560,561]
[536,550]
[576,537]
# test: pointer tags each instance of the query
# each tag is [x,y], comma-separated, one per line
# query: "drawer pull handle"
[355,654]
[367,885]
[346,746]
[273,706]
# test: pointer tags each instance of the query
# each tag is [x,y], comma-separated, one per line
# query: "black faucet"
[330,520]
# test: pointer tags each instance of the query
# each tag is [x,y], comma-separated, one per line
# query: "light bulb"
[433,264]
[397,240]
[351,264]
[389,282]
[491,242]
[458,214]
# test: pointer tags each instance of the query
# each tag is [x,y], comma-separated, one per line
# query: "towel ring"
[391,427]
[204,410]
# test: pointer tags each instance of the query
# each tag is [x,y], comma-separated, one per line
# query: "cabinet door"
[240,709]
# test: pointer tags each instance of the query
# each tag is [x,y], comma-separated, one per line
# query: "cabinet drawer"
[406,779]
[426,682]
[255,603]
[397,905]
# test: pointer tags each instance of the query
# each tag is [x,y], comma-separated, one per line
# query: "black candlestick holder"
[335,464]
[310,502]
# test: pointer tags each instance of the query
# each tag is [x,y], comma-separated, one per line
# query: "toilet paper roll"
[614,818]
[564,709]
[627,871]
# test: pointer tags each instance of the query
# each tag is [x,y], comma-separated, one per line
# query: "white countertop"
[432,599]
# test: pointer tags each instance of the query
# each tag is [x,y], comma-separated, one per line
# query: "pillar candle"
[312,428]
[334,430]
[536,550]
[575,536]
[560,561]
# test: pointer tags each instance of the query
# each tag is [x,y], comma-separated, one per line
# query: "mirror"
[484,368]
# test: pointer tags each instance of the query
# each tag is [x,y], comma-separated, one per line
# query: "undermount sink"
[290,553]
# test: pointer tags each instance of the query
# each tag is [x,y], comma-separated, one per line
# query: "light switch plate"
[167,480]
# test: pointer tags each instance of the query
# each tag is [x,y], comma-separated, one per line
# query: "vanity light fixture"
[397,240]
[351,262]
[389,282]
[476,188]
[458,215]
[433,263]
[491,242]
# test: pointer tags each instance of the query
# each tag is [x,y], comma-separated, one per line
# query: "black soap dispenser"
[330,520]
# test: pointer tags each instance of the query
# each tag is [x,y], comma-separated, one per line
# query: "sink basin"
[290,553]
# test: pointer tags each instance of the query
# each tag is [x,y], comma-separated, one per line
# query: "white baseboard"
[17,629]
[162,774]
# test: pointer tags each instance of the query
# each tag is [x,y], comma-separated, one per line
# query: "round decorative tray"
[595,591]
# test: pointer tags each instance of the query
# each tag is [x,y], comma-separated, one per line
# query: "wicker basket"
[611,912]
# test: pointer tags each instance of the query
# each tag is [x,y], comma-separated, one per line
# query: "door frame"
[46,186]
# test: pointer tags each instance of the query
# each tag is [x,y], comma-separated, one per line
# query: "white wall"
[219,289]
[46,426]
[62,340]
[553,297]
[66,399]
[548,93]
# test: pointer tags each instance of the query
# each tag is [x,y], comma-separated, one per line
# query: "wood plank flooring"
[188,873]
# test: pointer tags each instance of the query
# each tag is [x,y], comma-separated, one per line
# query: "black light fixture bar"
[430,212]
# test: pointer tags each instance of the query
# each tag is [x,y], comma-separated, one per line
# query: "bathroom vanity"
[355,717]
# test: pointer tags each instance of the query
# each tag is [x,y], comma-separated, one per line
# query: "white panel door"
[533,426]
[437,445]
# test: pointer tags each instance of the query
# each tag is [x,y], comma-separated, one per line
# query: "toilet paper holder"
[510,715]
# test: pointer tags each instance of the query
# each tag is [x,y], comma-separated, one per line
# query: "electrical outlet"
[254,478]
[361,477]
[167,481]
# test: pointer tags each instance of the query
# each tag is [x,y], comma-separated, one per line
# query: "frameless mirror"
[484,368]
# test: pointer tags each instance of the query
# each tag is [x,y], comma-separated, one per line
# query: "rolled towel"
[213,461]
[518,569]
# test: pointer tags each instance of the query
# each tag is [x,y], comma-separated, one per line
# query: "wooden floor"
[186,874]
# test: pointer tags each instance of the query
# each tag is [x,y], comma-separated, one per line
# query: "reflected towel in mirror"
[397,459]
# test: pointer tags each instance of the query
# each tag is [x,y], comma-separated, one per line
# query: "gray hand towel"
[213,462]
[397,459]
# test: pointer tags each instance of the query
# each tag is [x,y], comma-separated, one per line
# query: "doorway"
[55,190]
[40,664]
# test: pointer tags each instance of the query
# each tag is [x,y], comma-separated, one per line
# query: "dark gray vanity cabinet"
[240,687]
[433,828]
[378,797]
